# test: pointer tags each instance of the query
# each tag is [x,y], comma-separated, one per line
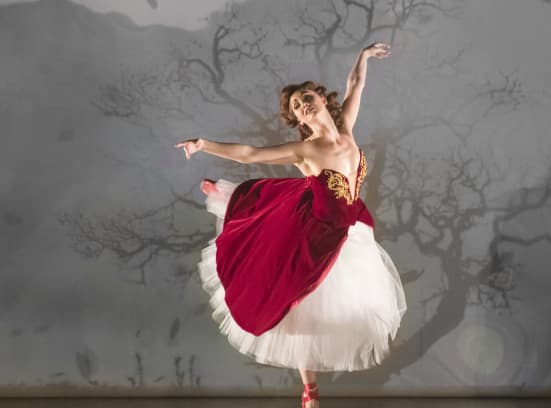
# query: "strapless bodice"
[332,199]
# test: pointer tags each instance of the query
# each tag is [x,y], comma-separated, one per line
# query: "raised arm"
[286,153]
[355,82]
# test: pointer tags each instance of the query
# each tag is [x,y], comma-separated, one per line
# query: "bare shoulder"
[318,153]
[307,151]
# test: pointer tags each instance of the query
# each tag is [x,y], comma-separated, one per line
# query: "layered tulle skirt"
[345,324]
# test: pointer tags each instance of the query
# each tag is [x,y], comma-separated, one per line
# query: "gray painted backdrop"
[102,220]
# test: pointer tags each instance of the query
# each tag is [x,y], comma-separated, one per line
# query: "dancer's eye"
[308,98]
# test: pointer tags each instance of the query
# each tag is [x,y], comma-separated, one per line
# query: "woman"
[295,276]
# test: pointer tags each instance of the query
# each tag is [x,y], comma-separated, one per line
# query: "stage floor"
[273,403]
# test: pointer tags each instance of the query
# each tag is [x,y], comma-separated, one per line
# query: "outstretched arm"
[286,153]
[356,82]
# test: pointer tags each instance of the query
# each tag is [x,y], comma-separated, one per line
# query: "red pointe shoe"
[310,393]
[208,187]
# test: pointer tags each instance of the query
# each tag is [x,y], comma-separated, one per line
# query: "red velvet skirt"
[291,290]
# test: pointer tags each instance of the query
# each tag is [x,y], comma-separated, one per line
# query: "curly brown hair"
[289,118]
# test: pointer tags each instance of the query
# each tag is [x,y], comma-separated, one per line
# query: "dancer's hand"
[190,146]
[378,50]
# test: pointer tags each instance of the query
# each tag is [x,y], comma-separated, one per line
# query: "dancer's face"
[306,105]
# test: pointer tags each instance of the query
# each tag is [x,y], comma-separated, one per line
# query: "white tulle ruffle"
[343,325]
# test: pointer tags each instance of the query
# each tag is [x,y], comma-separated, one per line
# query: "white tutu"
[343,325]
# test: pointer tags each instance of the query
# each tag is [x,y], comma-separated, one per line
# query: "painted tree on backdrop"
[411,194]
[198,80]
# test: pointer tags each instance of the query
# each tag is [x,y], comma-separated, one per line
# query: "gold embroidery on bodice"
[338,183]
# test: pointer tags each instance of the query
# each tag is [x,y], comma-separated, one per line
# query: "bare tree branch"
[136,239]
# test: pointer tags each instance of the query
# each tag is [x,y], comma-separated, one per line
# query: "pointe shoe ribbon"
[310,393]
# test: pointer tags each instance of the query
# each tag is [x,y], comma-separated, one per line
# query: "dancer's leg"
[309,379]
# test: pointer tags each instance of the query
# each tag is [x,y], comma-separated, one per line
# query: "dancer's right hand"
[378,50]
[190,146]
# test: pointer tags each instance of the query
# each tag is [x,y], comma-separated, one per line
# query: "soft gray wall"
[102,221]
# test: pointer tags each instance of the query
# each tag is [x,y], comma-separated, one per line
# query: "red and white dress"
[295,276]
